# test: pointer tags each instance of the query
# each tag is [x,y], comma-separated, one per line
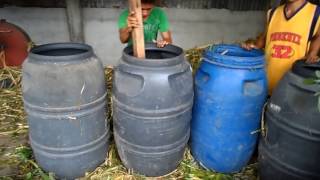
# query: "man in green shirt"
[154,20]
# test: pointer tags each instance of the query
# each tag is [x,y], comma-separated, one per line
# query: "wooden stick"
[137,33]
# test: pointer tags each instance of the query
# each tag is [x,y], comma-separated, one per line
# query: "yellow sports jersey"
[288,39]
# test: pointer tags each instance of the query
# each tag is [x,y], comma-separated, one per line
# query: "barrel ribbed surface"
[230,91]
[290,149]
[65,99]
[152,100]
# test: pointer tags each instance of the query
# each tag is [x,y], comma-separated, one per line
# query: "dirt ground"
[9,162]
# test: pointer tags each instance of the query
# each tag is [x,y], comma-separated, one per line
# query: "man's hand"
[249,46]
[166,39]
[312,58]
[132,21]
[161,43]
[259,43]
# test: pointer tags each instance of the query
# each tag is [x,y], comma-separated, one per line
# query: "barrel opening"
[158,54]
[60,52]
[312,68]
[303,69]
[154,53]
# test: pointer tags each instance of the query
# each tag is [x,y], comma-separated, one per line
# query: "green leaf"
[24,153]
[29,176]
[222,177]
[43,175]
[318,74]
[309,81]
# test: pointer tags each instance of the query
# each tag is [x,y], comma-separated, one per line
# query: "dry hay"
[13,125]
[188,169]
[12,115]
[194,56]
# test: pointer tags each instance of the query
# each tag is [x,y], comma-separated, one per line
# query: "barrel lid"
[304,69]
[234,56]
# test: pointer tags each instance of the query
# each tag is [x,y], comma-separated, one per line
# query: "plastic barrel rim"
[305,70]
[234,56]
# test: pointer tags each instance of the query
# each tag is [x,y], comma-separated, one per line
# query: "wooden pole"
[74,19]
[137,33]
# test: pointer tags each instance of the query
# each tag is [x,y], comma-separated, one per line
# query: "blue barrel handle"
[253,87]
[203,77]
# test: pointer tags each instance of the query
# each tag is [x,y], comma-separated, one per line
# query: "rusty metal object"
[14,44]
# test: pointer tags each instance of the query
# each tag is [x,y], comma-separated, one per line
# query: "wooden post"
[137,33]
[74,17]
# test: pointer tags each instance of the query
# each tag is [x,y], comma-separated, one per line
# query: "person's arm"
[164,30]
[166,39]
[259,43]
[126,25]
[312,56]
[261,40]
[125,34]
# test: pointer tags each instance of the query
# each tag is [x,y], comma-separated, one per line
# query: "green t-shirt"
[157,21]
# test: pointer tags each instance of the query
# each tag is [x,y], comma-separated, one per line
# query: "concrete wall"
[190,27]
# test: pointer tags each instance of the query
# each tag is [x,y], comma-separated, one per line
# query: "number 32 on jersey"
[282,51]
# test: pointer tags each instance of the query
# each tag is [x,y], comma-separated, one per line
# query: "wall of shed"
[190,27]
